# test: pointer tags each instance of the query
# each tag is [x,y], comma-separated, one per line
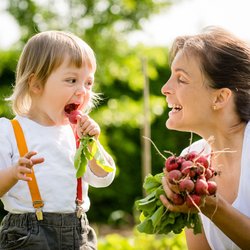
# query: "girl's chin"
[65,121]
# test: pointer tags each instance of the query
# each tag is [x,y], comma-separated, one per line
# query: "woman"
[209,94]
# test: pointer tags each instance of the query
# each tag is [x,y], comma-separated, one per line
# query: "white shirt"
[56,176]
[216,238]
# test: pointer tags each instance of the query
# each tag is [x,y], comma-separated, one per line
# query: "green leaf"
[146,226]
[158,220]
[151,183]
[156,217]
[89,149]
[78,157]
[82,167]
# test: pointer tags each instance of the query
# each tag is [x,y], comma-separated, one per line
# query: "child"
[55,75]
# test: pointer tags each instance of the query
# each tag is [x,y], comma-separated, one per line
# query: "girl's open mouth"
[71,107]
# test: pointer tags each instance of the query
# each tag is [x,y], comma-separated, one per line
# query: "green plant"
[141,241]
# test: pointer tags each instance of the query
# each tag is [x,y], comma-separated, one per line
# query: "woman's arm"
[196,241]
[230,221]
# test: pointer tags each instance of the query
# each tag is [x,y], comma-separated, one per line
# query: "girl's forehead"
[71,61]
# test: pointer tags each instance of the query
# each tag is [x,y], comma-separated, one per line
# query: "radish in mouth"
[72,112]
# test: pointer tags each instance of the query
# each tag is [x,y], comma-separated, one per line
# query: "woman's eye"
[181,80]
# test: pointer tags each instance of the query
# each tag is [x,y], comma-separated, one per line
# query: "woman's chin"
[173,125]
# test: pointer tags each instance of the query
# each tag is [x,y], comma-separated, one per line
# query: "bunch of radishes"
[191,176]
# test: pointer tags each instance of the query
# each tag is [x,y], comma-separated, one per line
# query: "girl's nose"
[81,90]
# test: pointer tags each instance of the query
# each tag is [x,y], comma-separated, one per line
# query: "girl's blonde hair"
[43,53]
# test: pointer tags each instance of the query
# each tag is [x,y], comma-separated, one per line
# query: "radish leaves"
[88,149]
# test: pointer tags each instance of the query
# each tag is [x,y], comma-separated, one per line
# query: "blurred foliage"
[139,241]
[104,24]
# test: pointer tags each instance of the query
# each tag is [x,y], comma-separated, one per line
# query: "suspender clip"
[39,213]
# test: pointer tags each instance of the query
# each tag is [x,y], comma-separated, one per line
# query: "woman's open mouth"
[175,108]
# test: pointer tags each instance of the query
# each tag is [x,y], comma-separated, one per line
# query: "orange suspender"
[33,187]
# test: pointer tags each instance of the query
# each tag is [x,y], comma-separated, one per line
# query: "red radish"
[191,155]
[171,163]
[177,199]
[72,116]
[208,173]
[180,160]
[200,170]
[212,187]
[186,185]
[193,199]
[203,161]
[174,176]
[186,167]
[201,187]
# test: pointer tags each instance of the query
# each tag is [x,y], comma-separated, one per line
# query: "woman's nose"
[166,89]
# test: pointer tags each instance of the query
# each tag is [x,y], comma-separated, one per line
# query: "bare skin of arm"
[10,176]
[196,242]
[237,228]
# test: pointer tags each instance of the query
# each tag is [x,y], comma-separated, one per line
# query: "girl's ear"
[34,85]
[222,97]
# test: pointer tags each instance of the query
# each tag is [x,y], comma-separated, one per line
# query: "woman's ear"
[34,85]
[221,98]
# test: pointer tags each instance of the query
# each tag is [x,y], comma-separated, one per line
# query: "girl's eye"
[89,84]
[72,81]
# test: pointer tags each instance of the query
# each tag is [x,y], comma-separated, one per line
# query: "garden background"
[127,112]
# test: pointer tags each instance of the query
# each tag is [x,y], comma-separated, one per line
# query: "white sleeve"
[96,181]
[199,146]
[6,140]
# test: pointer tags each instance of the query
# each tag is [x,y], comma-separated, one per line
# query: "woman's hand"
[171,195]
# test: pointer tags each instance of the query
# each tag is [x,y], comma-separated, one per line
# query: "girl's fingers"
[37,160]
[25,162]
[88,126]
[30,154]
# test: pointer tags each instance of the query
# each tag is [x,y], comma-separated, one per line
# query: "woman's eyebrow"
[182,70]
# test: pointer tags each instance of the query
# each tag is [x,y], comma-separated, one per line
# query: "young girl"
[209,94]
[40,191]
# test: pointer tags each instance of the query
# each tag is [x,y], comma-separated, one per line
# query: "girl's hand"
[87,126]
[24,165]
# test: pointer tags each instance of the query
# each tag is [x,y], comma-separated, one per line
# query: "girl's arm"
[95,168]
[10,176]
[87,126]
